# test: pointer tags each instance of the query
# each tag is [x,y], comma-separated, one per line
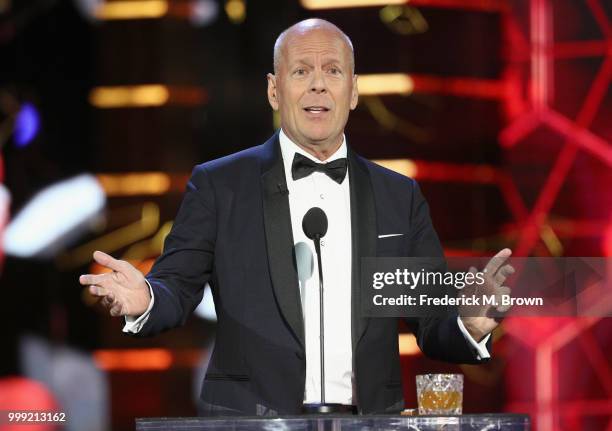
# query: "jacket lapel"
[279,238]
[363,228]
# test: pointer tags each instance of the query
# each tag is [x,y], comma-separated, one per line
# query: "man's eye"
[300,72]
[334,71]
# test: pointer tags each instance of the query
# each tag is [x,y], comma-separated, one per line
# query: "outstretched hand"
[480,322]
[124,291]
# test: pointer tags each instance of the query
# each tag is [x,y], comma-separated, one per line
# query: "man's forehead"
[320,41]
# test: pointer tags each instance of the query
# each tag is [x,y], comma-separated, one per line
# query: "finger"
[109,261]
[504,308]
[470,289]
[504,290]
[503,273]
[497,261]
[96,290]
[474,271]
[99,279]
[106,302]
[116,310]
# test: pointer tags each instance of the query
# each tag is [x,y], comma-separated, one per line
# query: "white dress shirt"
[318,190]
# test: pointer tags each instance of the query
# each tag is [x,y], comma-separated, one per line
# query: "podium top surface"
[480,422]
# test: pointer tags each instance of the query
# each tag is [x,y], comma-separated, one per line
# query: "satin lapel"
[363,228]
[279,238]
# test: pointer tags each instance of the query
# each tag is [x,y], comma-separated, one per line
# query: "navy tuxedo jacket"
[233,230]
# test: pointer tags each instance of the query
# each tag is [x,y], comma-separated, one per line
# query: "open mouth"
[316,109]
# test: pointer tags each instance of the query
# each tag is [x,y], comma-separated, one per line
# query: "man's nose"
[318,83]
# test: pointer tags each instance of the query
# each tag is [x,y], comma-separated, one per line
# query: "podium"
[480,422]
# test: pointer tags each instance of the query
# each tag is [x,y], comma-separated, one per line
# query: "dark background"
[500,168]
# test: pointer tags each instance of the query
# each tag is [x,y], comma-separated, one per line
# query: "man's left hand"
[478,322]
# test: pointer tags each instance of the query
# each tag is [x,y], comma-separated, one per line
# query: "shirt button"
[322,243]
[322,196]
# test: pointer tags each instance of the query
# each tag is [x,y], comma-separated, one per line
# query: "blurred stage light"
[148,95]
[133,359]
[393,121]
[147,360]
[479,5]
[5,6]
[146,225]
[443,172]
[337,4]
[235,10]
[551,240]
[88,8]
[404,20]
[132,184]
[129,96]
[607,241]
[385,83]
[27,124]
[53,215]
[5,203]
[199,12]
[276,123]
[132,9]
[408,345]
[402,166]
[203,12]
[19,393]
[404,84]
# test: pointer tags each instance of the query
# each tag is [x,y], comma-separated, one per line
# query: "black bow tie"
[302,167]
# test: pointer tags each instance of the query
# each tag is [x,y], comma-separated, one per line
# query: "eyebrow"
[301,61]
[334,62]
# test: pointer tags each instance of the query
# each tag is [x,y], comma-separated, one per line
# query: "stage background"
[500,109]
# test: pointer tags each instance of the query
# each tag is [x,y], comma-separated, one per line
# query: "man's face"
[314,87]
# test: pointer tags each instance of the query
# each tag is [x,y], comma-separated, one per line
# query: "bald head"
[304,27]
[314,86]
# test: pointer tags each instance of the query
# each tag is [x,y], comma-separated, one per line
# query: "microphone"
[314,225]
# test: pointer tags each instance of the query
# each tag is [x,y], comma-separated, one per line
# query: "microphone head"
[315,223]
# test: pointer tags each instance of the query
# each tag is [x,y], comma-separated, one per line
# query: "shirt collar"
[289,148]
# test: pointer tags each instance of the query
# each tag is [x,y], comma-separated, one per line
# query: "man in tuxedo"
[239,228]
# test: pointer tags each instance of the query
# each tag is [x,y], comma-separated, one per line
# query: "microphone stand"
[317,244]
[315,227]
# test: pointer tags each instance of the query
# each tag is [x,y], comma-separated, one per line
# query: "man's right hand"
[124,291]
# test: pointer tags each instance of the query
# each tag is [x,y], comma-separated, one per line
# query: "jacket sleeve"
[179,275]
[439,337]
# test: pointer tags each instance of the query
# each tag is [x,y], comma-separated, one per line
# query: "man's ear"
[354,94]
[272,98]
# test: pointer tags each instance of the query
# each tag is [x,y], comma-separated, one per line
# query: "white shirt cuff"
[481,347]
[134,325]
